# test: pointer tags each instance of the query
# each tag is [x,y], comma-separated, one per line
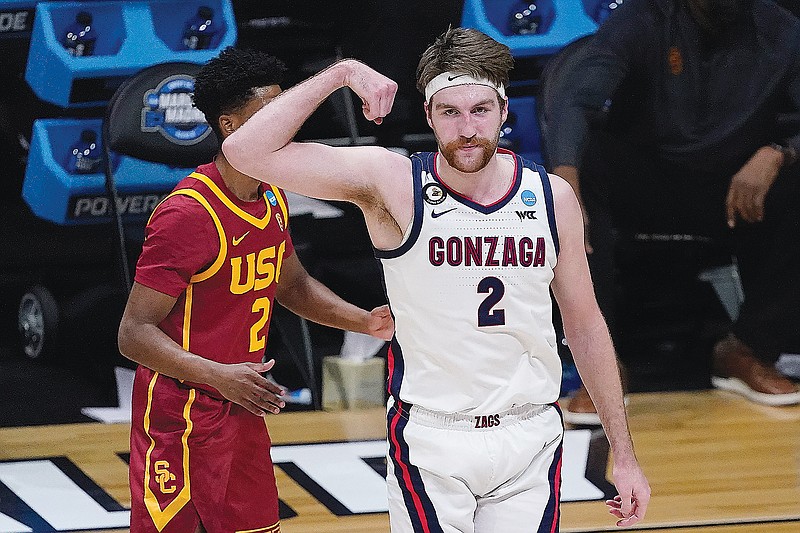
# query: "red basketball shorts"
[196,459]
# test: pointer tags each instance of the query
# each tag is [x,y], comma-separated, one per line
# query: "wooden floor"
[715,463]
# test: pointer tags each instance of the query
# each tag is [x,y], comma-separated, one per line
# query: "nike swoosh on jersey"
[434,214]
[237,240]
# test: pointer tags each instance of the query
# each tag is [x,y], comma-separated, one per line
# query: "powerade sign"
[169,111]
[99,206]
[16,23]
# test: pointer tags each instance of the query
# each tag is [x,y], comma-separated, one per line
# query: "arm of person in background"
[750,185]
[142,341]
[604,64]
[374,178]
[310,299]
[593,352]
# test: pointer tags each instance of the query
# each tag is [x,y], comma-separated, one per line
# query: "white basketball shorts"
[499,472]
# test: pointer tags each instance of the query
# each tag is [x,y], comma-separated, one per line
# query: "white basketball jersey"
[469,291]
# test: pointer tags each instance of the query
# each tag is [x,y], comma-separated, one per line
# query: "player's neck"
[485,186]
[243,186]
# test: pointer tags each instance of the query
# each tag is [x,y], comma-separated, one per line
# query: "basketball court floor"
[715,463]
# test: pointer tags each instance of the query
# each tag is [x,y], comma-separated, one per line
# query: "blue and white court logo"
[433,193]
[271,197]
[528,198]
[168,109]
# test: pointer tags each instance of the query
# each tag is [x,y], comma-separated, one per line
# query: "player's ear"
[227,124]
[428,114]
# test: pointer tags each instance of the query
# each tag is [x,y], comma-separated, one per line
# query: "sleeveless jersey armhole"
[410,235]
[223,242]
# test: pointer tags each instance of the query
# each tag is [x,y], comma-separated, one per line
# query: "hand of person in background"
[630,505]
[243,383]
[376,91]
[570,174]
[749,186]
[380,323]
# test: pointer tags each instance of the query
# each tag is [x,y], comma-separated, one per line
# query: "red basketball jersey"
[223,265]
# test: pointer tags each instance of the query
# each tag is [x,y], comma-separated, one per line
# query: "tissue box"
[352,384]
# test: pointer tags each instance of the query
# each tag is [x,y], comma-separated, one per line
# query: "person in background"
[217,256]
[475,435]
[695,144]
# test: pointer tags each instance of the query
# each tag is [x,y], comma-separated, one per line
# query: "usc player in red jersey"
[216,256]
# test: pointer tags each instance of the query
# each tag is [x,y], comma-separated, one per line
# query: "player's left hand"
[376,91]
[630,505]
[750,185]
[380,323]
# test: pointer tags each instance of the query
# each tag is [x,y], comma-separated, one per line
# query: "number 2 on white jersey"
[486,315]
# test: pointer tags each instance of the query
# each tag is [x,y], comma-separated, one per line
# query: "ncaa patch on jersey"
[433,193]
[528,198]
[271,197]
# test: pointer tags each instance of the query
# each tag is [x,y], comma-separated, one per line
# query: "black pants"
[632,194]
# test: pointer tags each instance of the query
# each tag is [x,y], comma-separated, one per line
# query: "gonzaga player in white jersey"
[471,242]
[471,283]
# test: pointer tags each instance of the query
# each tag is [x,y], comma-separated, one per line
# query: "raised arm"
[591,347]
[374,178]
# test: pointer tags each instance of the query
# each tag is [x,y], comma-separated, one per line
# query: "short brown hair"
[465,50]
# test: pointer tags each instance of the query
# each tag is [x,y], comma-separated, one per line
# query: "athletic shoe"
[738,370]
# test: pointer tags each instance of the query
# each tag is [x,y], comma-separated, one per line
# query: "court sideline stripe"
[687,525]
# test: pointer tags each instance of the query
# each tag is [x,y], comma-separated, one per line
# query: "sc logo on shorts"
[164,476]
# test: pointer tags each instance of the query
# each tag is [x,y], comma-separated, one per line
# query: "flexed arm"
[374,178]
[262,147]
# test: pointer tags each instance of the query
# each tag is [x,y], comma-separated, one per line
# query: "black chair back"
[150,117]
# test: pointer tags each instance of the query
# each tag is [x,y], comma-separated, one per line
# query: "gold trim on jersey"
[187,317]
[223,240]
[204,274]
[274,528]
[162,517]
[260,223]
[281,203]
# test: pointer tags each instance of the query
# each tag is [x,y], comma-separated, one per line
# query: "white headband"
[453,79]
